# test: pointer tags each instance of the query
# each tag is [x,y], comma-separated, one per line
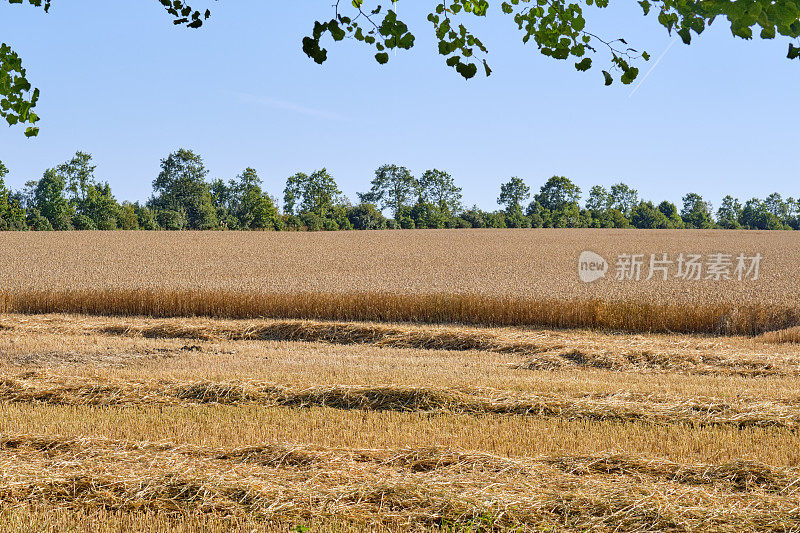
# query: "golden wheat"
[488,277]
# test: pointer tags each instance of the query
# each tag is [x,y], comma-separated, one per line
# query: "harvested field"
[186,382]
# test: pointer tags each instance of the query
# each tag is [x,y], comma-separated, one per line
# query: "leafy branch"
[18,98]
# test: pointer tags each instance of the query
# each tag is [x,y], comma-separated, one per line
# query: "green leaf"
[382,58]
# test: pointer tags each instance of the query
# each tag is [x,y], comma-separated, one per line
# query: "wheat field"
[487,277]
[395,381]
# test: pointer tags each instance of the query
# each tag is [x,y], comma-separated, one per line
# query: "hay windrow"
[625,407]
[433,486]
[536,349]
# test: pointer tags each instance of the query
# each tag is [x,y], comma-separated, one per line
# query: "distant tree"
[696,213]
[495,219]
[222,197]
[26,195]
[757,215]
[538,215]
[599,199]
[474,217]
[393,187]
[600,213]
[172,219]
[78,174]
[101,207]
[366,217]
[623,198]
[556,204]
[242,204]
[36,221]
[793,215]
[512,194]
[777,206]
[429,215]
[50,200]
[557,193]
[647,216]
[126,217]
[437,187]
[12,216]
[265,213]
[83,223]
[315,193]
[609,218]
[671,212]
[181,189]
[729,213]
[145,217]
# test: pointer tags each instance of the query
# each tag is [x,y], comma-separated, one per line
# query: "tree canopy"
[184,199]
[559,29]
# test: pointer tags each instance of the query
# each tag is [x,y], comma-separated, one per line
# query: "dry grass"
[411,488]
[535,349]
[57,390]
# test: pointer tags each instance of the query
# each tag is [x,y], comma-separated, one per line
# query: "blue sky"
[124,84]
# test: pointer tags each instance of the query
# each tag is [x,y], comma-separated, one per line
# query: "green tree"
[696,213]
[599,200]
[264,209]
[793,215]
[50,201]
[777,206]
[670,211]
[558,193]
[242,204]
[145,217]
[558,28]
[12,216]
[756,214]
[647,216]
[623,198]
[729,213]
[512,194]
[610,218]
[600,213]
[366,217]
[438,188]
[101,207]
[127,217]
[393,187]
[315,193]
[181,188]
[78,174]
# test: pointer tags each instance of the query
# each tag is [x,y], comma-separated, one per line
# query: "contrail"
[653,67]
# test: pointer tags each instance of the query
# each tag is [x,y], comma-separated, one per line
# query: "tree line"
[70,197]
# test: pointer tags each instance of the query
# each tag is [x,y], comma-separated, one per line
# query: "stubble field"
[331,418]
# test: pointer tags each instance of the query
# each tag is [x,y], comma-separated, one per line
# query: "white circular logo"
[591,267]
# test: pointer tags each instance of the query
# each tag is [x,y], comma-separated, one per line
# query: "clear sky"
[121,82]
